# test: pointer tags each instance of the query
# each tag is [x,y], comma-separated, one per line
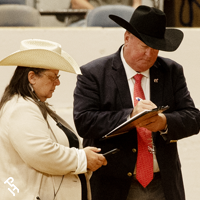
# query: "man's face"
[137,54]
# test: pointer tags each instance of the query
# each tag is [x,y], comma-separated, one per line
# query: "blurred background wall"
[86,44]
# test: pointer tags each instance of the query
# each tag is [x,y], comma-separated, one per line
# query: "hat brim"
[171,41]
[41,58]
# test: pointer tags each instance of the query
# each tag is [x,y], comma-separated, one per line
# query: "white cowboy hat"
[42,54]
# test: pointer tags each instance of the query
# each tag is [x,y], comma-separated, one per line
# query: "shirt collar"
[129,71]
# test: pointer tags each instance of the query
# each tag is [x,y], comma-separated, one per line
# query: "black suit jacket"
[102,101]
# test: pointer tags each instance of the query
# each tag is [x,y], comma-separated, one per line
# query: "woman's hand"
[94,159]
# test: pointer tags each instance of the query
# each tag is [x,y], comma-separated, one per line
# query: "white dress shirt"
[145,83]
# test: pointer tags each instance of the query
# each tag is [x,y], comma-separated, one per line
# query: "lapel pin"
[156,80]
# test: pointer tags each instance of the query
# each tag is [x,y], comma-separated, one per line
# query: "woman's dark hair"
[19,85]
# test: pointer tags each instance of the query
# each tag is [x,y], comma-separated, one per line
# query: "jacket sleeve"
[183,118]
[30,136]
[93,115]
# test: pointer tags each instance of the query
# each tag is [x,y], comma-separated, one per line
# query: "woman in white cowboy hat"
[39,153]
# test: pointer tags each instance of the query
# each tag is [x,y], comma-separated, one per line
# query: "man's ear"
[31,77]
[126,37]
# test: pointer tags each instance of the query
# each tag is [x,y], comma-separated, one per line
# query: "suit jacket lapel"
[156,88]
[119,76]
[156,84]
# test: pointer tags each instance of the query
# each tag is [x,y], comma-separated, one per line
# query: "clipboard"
[133,121]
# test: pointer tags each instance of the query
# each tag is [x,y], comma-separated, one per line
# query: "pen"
[138,99]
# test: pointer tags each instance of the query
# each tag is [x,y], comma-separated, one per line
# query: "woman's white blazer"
[35,160]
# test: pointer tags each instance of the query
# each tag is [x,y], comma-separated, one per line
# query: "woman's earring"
[31,87]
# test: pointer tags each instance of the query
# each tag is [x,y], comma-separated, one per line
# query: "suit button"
[134,150]
[129,174]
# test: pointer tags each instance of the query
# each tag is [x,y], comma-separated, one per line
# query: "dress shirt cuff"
[164,131]
[82,162]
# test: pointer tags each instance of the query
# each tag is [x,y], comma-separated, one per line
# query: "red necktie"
[144,165]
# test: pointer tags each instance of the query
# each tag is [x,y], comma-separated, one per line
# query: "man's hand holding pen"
[154,124]
[142,105]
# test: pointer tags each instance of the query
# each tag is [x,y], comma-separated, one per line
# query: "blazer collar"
[156,83]
[119,76]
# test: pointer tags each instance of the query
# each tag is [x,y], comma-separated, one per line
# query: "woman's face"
[45,83]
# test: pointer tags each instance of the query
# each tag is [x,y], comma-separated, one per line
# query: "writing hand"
[141,106]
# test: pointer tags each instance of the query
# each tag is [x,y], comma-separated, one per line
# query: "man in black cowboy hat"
[147,166]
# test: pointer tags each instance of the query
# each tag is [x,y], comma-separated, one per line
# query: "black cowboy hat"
[149,25]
